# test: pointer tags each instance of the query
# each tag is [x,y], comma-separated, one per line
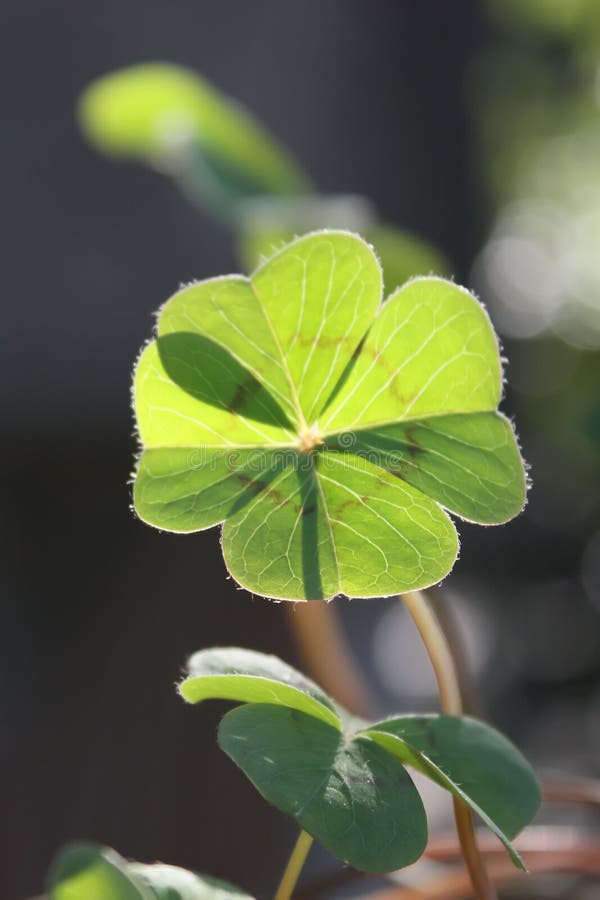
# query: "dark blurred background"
[473,124]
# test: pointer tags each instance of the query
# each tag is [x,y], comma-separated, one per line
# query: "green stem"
[294,866]
[446,676]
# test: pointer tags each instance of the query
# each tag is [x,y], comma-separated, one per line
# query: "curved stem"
[446,676]
[446,616]
[294,866]
[320,639]
[438,651]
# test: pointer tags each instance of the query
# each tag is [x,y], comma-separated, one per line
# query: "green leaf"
[92,872]
[174,883]
[187,489]
[326,433]
[312,761]
[230,673]
[349,793]
[189,392]
[431,351]
[176,119]
[336,524]
[402,254]
[228,312]
[469,463]
[471,760]
[320,294]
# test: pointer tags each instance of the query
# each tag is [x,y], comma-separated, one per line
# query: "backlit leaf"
[431,351]
[230,673]
[401,253]
[228,312]
[190,488]
[469,463]
[320,294]
[189,392]
[337,524]
[327,433]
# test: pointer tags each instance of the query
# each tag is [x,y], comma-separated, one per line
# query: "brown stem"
[320,639]
[444,668]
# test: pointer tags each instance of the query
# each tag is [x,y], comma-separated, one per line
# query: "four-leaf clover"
[329,432]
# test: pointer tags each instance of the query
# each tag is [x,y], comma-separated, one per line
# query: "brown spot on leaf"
[326,342]
[245,390]
[414,446]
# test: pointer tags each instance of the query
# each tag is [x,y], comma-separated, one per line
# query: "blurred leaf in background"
[175,120]
[91,872]
[224,161]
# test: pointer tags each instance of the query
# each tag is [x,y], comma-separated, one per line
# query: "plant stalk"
[448,620]
[440,655]
[294,867]
[319,636]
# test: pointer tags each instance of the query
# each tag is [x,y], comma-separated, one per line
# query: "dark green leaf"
[349,793]
[471,760]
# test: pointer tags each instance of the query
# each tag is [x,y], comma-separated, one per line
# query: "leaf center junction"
[309,438]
